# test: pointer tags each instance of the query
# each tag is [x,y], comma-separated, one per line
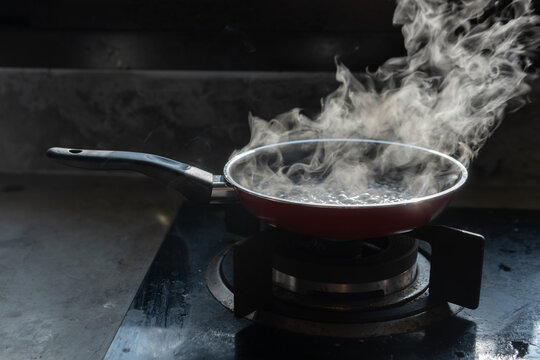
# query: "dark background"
[279,35]
[257,47]
[198,34]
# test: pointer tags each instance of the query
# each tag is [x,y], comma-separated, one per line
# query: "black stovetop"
[174,316]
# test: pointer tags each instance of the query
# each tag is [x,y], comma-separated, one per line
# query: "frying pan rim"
[241,155]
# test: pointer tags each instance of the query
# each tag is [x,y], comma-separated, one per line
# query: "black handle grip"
[195,184]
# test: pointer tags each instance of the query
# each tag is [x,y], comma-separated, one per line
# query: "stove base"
[412,315]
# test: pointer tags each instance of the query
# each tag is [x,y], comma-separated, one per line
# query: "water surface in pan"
[381,192]
[341,172]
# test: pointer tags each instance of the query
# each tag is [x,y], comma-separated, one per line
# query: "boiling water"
[375,193]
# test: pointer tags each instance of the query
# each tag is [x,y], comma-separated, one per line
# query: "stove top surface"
[174,316]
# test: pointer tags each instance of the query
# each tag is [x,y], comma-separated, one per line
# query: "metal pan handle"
[195,184]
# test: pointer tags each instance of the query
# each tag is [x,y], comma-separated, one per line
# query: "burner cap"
[339,261]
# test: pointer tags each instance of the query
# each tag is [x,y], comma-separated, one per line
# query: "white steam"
[466,62]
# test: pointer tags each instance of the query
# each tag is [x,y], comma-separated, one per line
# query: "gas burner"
[351,274]
[349,288]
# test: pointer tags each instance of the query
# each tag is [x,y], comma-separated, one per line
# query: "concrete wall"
[196,117]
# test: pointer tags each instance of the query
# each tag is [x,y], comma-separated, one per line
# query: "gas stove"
[348,288]
[224,285]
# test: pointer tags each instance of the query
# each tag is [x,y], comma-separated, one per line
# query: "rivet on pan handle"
[222,193]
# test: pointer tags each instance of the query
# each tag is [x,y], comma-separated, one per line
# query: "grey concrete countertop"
[73,251]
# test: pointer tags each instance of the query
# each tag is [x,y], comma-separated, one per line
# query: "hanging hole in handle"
[75,151]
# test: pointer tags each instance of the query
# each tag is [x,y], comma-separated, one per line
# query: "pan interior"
[344,172]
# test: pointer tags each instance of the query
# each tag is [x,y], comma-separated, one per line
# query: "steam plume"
[466,62]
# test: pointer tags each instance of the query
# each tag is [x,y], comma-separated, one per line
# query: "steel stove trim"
[387,286]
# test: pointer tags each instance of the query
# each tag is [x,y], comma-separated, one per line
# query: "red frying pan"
[317,219]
